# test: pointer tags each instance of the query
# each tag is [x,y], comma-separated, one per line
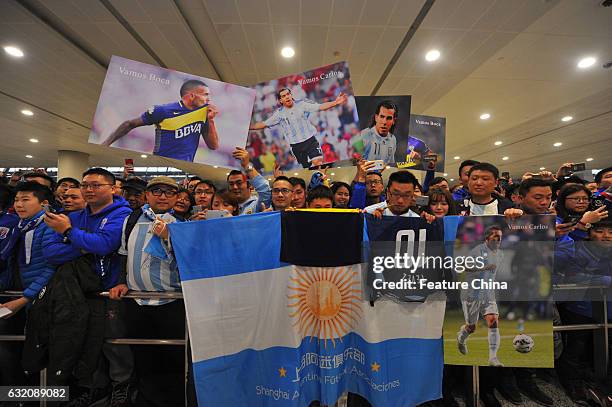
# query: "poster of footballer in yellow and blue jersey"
[172,114]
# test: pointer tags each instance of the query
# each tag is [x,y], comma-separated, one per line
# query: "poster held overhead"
[304,120]
[194,119]
[424,147]
[384,122]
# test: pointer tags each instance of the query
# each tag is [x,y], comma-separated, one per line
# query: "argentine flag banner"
[276,315]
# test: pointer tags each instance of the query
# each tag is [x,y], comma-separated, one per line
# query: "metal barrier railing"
[601,340]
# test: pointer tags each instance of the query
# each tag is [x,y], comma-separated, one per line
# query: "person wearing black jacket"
[483,200]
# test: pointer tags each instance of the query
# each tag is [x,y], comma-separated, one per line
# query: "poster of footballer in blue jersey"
[172,114]
[424,148]
[304,120]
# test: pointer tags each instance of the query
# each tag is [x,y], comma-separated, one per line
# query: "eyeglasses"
[374,182]
[95,187]
[204,192]
[398,195]
[168,192]
[283,191]
[578,199]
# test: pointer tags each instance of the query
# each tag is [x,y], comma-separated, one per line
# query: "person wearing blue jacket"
[591,265]
[24,248]
[7,222]
[97,230]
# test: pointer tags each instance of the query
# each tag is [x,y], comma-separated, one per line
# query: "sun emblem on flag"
[325,302]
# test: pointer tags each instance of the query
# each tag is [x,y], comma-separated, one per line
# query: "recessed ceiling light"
[28,156]
[13,51]
[295,173]
[557,144]
[288,52]
[215,166]
[27,112]
[432,55]
[586,62]
[452,179]
[143,155]
[33,140]
[505,158]
[445,174]
[332,174]
[485,116]
[269,179]
[498,143]
[589,159]
[566,118]
[542,168]
[456,157]
[227,173]
[338,167]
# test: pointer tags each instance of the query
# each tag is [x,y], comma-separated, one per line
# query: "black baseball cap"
[135,184]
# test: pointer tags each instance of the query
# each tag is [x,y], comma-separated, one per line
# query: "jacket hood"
[118,202]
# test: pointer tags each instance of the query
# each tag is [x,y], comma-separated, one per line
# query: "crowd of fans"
[102,233]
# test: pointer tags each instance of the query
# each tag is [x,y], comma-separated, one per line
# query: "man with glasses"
[133,190]
[96,230]
[282,193]
[400,195]
[239,185]
[367,186]
[145,269]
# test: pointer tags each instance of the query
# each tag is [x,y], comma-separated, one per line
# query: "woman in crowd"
[441,203]
[572,207]
[223,200]
[342,194]
[184,202]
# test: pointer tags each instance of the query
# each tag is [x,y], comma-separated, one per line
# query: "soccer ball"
[523,343]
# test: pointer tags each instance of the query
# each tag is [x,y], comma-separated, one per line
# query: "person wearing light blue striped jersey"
[149,266]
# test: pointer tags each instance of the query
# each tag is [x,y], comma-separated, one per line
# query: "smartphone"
[48,208]
[578,167]
[573,219]
[379,165]
[214,214]
[128,165]
[422,200]
[505,175]
[195,209]
[537,176]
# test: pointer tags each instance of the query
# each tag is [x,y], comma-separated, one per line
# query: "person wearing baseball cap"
[133,190]
[149,265]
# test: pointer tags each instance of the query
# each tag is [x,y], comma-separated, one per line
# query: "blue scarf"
[26,228]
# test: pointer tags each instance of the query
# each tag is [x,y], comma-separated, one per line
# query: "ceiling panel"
[346,12]
[222,11]
[315,11]
[284,11]
[377,12]
[252,12]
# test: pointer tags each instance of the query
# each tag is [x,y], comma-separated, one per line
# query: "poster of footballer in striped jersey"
[172,114]
[384,122]
[304,120]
